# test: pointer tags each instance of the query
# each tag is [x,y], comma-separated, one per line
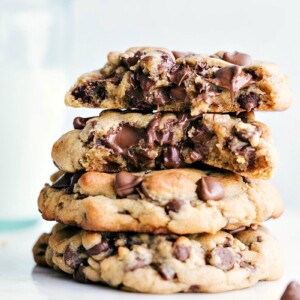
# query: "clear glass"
[33,39]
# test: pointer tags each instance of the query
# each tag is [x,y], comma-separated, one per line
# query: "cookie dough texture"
[165,201]
[155,78]
[117,141]
[163,264]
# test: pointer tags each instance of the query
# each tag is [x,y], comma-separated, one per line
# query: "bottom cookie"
[163,263]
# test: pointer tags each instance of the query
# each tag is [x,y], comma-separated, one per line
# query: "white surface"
[21,279]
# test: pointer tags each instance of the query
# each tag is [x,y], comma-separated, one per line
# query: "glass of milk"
[33,55]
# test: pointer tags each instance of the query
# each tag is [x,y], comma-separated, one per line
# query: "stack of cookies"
[166,190]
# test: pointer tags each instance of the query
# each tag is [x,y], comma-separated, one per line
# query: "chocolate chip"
[232,78]
[178,93]
[195,156]
[125,183]
[145,82]
[167,61]
[200,139]
[160,97]
[131,60]
[228,242]
[171,157]
[195,288]
[181,252]
[123,138]
[63,181]
[139,263]
[259,238]
[174,205]
[79,93]
[79,275]
[90,90]
[74,179]
[237,58]
[248,101]
[134,93]
[178,74]
[103,246]
[292,291]
[209,188]
[79,123]
[222,258]
[71,258]
[166,272]
[151,130]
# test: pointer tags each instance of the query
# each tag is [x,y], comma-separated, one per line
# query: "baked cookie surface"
[181,201]
[163,264]
[150,78]
[117,141]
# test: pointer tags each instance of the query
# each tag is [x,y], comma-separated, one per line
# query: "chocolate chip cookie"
[121,141]
[182,201]
[163,263]
[150,78]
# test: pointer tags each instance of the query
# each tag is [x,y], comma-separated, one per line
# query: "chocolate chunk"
[134,92]
[160,97]
[259,239]
[67,181]
[195,156]
[79,275]
[145,82]
[167,61]
[174,205]
[195,288]
[86,92]
[123,138]
[178,74]
[166,272]
[165,135]
[71,258]
[63,181]
[73,181]
[172,157]
[181,252]
[232,78]
[137,264]
[248,101]
[209,188]
[237,58]
[178,93]
[292,291]
[131,60]
[228,242]
[151,130]
[222,258]
[103,246]
[200,139]
[125,183]
[79,123]
[79,93]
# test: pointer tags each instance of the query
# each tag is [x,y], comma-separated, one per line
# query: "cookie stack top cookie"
[150,78]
